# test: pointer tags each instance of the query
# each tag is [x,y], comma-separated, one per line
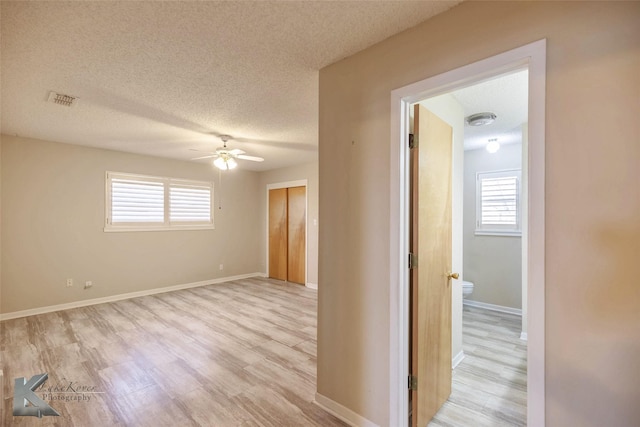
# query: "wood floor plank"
[210,408]
[489,386]
[152,407]
[240,353]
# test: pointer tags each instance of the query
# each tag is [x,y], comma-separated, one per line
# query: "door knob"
[453,276]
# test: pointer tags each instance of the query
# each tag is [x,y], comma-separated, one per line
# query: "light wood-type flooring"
[489,386]
[240,353]
[234,354]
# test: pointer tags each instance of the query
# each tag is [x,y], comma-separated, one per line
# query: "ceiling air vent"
[480,119]
[62,99]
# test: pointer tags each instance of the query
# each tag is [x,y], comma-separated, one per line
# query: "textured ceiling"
[163,78]
[507,98]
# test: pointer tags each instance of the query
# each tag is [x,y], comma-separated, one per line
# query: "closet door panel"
[278,234]
[297,201]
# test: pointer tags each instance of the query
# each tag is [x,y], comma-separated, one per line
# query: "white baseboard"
[523,336]
[492,307]
[112,298]
[457,359]
[312,286]
[345,414]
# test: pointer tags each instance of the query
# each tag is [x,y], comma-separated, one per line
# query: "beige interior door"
[430,289]
[296,207]
[278,230]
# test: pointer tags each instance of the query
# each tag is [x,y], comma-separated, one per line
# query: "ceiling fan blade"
[236,152]
[202,151]
[205,157]
[279,144]
[251,158]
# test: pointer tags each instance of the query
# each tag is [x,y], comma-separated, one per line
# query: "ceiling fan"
[225,158]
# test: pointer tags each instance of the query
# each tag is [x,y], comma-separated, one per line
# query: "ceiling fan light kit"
[225,163]
[225,159]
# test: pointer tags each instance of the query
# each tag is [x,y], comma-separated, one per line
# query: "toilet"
[467,289]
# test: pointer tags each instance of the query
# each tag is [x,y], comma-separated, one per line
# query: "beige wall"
[53,198]
[492,263]
[1,394]
[308,171]
[592,200]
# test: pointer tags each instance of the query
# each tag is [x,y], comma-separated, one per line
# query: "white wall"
[448,109]
[492,263]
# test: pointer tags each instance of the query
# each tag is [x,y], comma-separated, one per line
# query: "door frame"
[287,184]
[533,57]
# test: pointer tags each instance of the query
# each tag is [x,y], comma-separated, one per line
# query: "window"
[146,203]
[498,203]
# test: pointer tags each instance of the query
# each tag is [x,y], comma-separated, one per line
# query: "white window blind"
[145,203]
[190,203]
[136,201]
[498,202]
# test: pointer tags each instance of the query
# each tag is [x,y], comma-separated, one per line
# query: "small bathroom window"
[498,203]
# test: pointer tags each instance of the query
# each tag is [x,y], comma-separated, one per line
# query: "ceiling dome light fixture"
[493,145]
[480,119]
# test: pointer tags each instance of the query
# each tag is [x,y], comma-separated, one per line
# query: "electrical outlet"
[221,266]
[88,284]
[69,283]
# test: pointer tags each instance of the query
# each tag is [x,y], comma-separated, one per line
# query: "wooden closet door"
[278,233]
[297,224]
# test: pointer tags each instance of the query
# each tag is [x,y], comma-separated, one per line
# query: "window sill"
[124,228]
[504,233]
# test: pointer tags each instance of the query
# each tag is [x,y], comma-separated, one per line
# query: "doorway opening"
[484,326]
[531,57]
